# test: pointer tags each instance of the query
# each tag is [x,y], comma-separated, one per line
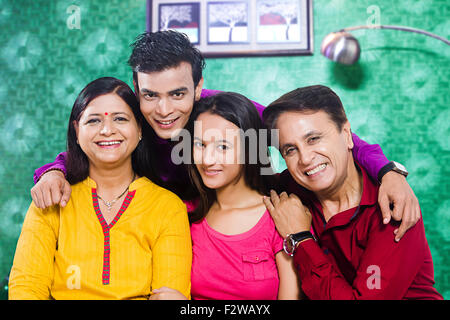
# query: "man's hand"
[396,191]
[165,293]
[288,213]
[51,189]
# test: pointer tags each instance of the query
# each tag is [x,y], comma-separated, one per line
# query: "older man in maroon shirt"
[352,254]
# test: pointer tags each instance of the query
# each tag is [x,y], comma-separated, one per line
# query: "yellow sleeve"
[172,252]
[32,271]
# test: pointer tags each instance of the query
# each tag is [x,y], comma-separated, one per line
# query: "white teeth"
[212,171]
[166,122]
[108,143]
[316,169]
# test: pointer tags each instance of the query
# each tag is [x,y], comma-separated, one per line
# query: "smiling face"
[107,131]
[167,98]
[316,152]
[216,151]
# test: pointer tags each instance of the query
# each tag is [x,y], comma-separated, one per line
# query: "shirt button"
[257,258]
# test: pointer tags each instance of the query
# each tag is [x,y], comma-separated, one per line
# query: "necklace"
[109,204]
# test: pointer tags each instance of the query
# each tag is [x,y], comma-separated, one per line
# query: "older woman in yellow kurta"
[120,235]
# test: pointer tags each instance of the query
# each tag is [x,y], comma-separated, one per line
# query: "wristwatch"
[290,242]
[394,166]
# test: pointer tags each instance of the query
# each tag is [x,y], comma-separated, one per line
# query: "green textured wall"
[400,88]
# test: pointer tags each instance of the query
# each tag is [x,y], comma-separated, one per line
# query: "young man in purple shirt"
[352,255]
[167,76]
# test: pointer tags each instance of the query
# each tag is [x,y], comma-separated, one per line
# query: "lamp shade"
[341,47]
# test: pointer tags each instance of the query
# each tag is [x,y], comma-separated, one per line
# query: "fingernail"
[386,220]
[63,203]
[395,231]
[397,239]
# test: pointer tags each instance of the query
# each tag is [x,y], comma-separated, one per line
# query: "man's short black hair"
[158,51]
[307,99]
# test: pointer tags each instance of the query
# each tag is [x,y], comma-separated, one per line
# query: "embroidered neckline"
[106,227]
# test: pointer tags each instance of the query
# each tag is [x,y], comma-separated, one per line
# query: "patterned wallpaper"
[397,95]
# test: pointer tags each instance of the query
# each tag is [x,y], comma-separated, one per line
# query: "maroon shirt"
[356,256]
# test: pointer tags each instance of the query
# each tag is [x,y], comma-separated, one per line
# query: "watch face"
[287,245]
[290,245]
[400,166]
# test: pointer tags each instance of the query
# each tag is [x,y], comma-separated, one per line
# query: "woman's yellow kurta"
[71,253]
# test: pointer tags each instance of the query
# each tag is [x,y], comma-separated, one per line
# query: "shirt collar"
[369,195]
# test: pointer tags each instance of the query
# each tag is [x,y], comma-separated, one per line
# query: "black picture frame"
[238,28]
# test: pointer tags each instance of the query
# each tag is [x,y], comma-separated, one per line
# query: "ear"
[198,89]
[347,131]
[75,125]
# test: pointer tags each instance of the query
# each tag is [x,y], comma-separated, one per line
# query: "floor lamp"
[342,47]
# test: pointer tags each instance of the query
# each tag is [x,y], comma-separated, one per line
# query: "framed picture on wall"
[278,21]
[227,22]
[183,17]
[227,28]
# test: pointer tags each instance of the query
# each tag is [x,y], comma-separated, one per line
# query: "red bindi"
[106,113]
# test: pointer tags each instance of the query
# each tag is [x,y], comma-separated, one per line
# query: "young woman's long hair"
[241,112]
[77,164]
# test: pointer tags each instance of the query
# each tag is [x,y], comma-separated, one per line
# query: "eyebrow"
[312,133]
[112,113]
[286,145]
[178,90]
[182,89]
[305,136]
[143,91]
[218,141]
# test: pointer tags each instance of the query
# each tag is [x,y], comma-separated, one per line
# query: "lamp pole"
[408,29]
[343,47]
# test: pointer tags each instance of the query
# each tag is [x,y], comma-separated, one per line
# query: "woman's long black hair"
[77,164]
[240,111]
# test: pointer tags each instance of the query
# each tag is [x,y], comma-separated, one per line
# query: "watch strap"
[385,169]
[389,167]
[297,237]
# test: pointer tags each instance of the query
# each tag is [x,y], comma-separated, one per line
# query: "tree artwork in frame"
[278,21]
[183,17]
[227,28]
[227,22]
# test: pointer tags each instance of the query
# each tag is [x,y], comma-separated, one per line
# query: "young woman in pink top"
[237,252]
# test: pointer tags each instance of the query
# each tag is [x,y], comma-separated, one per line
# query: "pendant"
[109,205]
